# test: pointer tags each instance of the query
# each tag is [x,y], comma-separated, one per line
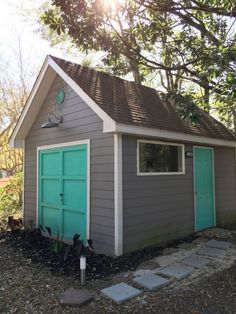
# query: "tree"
[13,95]
[11,102]
[11,199]
[184,41]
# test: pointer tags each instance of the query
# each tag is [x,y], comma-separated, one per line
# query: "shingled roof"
[129,103]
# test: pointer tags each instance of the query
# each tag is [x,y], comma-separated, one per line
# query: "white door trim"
[75,143]
[213,187]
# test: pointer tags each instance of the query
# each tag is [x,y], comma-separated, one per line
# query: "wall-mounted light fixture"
[52,122]
[189,154]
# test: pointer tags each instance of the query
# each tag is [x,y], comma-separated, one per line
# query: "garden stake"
[83,270]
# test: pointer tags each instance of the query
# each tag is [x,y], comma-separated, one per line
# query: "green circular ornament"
[60,97]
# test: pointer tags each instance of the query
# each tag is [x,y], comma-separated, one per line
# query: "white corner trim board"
[23,192]
[118,194]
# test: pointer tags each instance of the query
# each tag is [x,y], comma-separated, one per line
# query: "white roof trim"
[164,134]
[108,122]
[32,106]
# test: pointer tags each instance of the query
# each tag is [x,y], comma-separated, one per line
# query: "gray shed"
[111,160]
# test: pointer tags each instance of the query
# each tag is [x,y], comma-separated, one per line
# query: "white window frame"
[160,173]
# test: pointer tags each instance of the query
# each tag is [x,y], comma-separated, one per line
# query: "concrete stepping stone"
[148,265]
[199,240]
[120,292]
[74,297]
[176,270]
[186,246]
[151,281]
[169,250]
[224,245]
[195,261]
[211,252]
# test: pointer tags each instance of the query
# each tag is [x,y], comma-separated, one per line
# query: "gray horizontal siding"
[155,208]
[225,185]
[79,123]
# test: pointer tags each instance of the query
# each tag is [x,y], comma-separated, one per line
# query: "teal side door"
[63,190]
[204,188]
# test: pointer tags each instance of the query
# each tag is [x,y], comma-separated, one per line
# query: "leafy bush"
[11,198]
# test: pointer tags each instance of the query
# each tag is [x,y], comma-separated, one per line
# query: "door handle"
[61,194]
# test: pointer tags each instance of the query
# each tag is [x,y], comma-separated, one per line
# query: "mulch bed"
[98,265]
[27,286]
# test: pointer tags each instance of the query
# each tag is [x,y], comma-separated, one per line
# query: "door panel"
[50,217]
[63,190]
[74,161]
[75,194]
[204,188]
[50,188]
[50,164]
[73,225]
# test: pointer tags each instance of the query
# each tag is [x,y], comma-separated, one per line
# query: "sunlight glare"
[111,3]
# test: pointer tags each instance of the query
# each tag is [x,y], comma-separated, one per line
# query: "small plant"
[14,224]
[57,244]
[33,235]
[79,248]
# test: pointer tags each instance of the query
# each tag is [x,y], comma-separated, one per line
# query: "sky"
[19,28]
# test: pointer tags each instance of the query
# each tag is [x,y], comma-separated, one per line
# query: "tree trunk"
[234,120]
[207,99]
[136,72]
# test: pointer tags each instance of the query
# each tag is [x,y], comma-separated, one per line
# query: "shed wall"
[79,123]
[157,209]
[225,185]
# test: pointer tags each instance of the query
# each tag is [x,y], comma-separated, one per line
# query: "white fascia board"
[40,89]
[28,113]
[108,122]
[170,135]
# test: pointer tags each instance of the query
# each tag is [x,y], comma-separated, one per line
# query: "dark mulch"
[41,251]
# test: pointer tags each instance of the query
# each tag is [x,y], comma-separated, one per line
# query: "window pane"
[160,158]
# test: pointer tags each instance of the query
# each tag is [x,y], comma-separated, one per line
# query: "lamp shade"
[52,124]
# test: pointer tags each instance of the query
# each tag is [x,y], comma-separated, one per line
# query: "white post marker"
[82,270]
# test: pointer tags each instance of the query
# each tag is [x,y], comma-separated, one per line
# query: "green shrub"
[11,198]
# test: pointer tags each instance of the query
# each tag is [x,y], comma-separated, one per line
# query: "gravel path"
[28,288]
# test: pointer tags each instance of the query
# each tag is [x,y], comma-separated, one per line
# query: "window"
[160,158]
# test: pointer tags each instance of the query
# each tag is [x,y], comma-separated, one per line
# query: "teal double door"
[204,188]
[62,190]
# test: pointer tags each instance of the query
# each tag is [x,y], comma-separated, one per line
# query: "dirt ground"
[29,288]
